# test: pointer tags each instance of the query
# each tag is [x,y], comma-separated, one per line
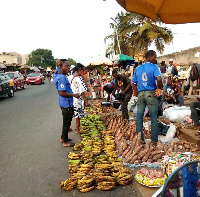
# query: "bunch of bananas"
[86,184]
[73,155]
[78,146]
[73,168]
[103,166]
[102,159]
[85,168]
[69,184]
[99,172]
[74,161]
[105,183]
[122,174]
[124,178]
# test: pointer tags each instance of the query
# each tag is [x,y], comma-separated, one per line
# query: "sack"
[194,74]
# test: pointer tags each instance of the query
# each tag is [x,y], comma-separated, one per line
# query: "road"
[32,160]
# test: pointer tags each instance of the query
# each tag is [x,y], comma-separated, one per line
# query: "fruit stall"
[110,154]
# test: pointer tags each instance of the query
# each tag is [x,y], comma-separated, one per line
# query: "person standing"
[147,91]
[194,112]
[170,67]
[123,83]
[65,96]
[79,88]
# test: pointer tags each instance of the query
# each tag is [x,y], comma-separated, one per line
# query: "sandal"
[61,140]
[71,144]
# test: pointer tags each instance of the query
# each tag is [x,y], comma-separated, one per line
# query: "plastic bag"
[175,114]
[132,103]
[170,134]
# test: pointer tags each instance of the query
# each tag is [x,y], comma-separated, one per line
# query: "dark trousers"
[194,112]
[67,114]
[124,104]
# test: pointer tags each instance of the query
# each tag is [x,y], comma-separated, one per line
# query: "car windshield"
[33,74]
[11,75]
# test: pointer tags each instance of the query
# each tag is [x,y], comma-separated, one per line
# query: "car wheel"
[40,81]
[11,94]
[15,87]
[27,84]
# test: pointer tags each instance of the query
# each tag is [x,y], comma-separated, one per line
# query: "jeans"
[194,112]
[179,98]
[124,105]
[147,98]
[67,114]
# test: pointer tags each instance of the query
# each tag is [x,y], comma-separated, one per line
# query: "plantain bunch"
[73,168]
[122,174]
[68,184]
[105,183]
[78,146]
[73,155]
[86,183]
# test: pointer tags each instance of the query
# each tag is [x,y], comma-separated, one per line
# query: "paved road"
[32,160]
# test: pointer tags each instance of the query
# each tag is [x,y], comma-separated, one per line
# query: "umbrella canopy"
[98,61]
[34,69]
[170,11]
[24,67]
[122,57]
[2,66]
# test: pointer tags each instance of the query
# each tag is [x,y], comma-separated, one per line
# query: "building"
[183,58]
[13,60]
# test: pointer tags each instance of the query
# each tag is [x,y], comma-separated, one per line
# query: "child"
[65,96]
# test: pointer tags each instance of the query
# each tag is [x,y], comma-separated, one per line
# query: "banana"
[127,177]
[122,175]
[125,182]
[87,189]
[105,188]
[106,183]
[105,178]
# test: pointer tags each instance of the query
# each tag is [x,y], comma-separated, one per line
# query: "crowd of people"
[152,85]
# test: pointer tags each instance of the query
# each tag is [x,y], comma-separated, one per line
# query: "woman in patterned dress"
[78,86]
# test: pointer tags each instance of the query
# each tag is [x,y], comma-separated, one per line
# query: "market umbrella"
[122,57]
[24,67]
[34,68]
[95,61]
[170,11]
[2,66]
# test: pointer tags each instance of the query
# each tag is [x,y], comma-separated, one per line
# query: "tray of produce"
[150,178]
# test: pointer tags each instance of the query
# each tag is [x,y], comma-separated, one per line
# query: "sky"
[71,28]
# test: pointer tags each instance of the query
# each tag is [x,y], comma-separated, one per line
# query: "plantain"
[125,182]
[105,178]
[105,188]
[106,183]
[87,189]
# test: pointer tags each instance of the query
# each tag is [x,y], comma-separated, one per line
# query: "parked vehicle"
[18,79]
[5,88]
[12,84]
[35,78]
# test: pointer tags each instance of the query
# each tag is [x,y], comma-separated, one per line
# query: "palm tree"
[137,32]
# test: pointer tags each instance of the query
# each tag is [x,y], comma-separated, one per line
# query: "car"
[12,84]
[35,78]
[5,88]
[18,79]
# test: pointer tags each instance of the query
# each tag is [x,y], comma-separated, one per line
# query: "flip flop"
[61,140]
[71,145]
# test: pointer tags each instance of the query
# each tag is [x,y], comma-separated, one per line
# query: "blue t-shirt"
[62,84]
[145,77]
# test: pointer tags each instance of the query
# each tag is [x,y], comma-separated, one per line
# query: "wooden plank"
[191,133]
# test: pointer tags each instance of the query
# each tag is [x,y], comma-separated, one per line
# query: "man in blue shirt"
[65,97]
[145,87]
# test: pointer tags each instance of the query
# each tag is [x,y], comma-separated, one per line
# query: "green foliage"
[71,61]
[135,33]
[41,57]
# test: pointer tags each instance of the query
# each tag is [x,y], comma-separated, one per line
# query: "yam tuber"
[146,157]
[133,159]
[142,153]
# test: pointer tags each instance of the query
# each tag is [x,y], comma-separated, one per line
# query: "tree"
[41,57]
[71,61]
[135,33]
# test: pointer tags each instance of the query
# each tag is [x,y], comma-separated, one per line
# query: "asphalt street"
[32,159]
